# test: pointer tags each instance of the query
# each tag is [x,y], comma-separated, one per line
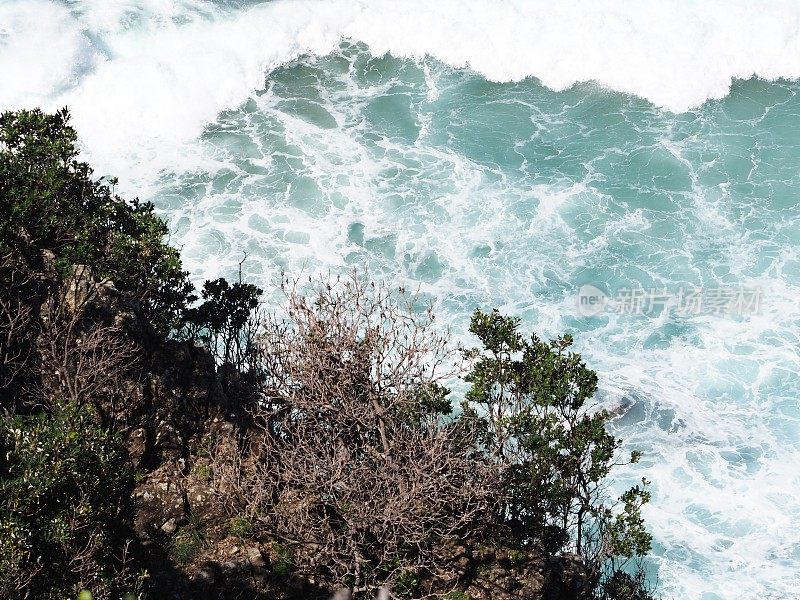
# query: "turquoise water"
[322,153]
[511,195]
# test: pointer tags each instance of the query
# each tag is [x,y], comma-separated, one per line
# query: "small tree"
[531,400]
[224,321]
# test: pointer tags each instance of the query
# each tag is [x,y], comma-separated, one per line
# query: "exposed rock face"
[80,288]
[162,503]
[489,573]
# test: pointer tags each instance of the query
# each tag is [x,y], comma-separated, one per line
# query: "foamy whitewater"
[495,153]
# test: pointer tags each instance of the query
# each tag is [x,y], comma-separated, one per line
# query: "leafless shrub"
[82,359]
[355,468]
[18,323]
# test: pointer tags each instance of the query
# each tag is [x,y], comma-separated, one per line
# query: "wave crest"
[130,78]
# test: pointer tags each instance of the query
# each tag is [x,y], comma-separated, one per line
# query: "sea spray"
[144,73]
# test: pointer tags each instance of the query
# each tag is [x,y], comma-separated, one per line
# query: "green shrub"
[517,556]
[221,321]
[281,559]
[623,585]
[406,583]
[184,548]
[203,471]
[530,399]
[50,202]
[64,513]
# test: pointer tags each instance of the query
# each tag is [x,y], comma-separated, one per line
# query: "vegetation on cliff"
[159,442]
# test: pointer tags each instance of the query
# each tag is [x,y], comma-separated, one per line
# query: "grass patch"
[187,544]
[241,527]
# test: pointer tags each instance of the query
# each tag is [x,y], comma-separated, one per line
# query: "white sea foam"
[137,73]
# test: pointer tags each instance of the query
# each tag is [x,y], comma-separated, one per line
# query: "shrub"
[281,559]
[223,321]
[241,527]
[184,547]
[353,455]
[405,583]
[82,359]
[624,585]
[188,542]
[203,471]
[529,398]
[49,203]
[64,506]
[457,595]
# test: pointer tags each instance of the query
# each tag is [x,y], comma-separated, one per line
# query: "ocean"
[627,172]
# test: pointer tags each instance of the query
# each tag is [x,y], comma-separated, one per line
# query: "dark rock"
[295,584]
